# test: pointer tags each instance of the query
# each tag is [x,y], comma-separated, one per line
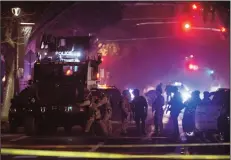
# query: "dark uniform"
[140,110]
[206,100]
[189,113]
[157,107]
[176,104]
[168,90]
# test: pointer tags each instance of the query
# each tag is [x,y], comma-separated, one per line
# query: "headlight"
[13,110]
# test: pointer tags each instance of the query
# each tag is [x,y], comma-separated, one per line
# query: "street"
[132,144]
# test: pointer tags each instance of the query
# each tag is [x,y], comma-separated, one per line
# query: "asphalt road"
[124,145]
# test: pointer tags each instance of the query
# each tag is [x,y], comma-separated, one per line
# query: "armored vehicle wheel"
[68,128]
[47,129]
[30,125]
[13,127]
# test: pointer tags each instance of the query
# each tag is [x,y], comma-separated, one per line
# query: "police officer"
[168,92]
[189,113]
[95,114]
[92,115]
[107,116]
[126,108]
[140,110]
[157,108]
[206,100]
[176,105]
[159,88]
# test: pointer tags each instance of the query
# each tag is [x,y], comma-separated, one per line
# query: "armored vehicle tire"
[67,128]
[30,126]
[13,127]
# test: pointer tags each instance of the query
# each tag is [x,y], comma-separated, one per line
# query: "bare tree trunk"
[10,74]
[9,93]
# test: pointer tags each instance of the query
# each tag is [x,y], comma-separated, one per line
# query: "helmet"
[136,91]
[206,94]
[196,93]
[125,92]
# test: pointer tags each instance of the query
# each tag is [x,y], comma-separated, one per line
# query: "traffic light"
[194,6]
[193,67]
[186,26]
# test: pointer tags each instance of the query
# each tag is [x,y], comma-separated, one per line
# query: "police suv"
[214,117]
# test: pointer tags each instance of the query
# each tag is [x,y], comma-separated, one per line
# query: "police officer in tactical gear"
[159,88]
[206,100]
[189,113]
[168,90]
[176,105]
[94,112]
[140,110]
[126,109]
[107,116]
[157,108]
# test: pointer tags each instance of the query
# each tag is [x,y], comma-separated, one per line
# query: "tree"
[108,48]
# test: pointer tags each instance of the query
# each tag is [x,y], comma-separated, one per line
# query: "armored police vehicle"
[63,75]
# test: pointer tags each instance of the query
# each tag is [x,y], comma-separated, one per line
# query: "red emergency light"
[223,29]
[186,26]
[193,67]
[194,6]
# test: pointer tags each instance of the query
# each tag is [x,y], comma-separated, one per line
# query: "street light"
[194,6]
[16,11]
